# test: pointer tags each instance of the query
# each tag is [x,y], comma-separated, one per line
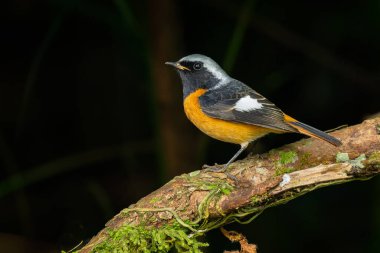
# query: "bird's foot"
[213,168]
[218,168]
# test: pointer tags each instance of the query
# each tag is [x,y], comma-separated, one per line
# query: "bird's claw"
[217,168]
[213,168]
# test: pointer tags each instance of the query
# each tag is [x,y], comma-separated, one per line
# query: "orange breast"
[222,130]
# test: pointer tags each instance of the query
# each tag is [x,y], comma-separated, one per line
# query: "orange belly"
[222,130]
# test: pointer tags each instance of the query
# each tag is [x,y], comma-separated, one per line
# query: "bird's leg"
[243,146]
[224,168]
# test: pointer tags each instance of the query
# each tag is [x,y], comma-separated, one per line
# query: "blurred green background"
[92,120]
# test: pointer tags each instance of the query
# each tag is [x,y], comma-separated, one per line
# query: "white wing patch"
[247,104]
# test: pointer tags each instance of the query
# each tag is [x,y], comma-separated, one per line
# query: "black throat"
[192,81]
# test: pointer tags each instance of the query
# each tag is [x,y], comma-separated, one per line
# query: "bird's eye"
[197,65]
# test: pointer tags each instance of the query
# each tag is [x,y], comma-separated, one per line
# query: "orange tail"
[311,131]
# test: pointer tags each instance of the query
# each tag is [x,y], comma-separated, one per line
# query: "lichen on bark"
[192,204]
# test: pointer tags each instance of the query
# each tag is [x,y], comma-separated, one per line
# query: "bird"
[228,110]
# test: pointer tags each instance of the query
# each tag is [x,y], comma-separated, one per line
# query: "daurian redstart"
[228,110]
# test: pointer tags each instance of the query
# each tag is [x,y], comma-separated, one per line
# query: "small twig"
[234,236]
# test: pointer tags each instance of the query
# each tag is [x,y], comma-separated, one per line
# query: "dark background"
[92,120]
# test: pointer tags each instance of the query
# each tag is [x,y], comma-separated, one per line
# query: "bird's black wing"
[232,102]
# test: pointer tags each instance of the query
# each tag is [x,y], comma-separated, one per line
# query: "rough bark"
[211,200]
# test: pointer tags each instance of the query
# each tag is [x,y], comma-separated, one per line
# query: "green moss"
[226,191]
[143,239]
[218,186]
[287,157]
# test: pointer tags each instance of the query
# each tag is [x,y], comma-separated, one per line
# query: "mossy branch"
[192,204]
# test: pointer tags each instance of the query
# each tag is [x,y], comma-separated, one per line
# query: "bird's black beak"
[177,65]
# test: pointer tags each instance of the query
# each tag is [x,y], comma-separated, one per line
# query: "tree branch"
[192,204]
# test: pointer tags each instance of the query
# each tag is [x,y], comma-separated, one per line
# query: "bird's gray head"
[199,72]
